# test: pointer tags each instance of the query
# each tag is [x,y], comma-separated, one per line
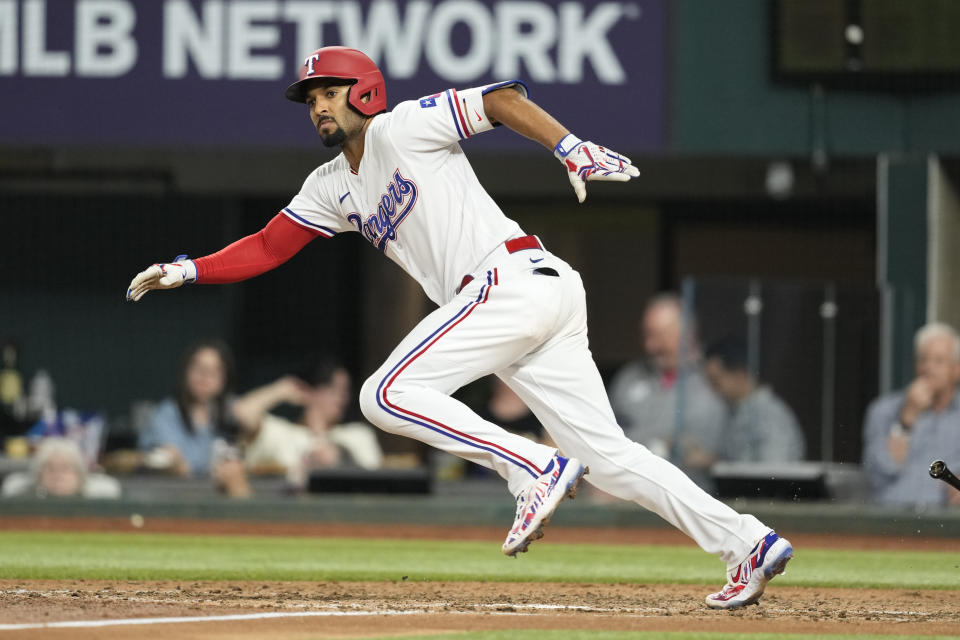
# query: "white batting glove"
[168,275]
[589,161]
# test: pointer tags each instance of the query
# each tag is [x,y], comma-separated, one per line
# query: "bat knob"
[937,468]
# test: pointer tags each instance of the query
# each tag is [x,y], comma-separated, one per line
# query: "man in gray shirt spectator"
[664,402]
[759,427]
[906,430]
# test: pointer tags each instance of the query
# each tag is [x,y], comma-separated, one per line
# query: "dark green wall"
[67,261]
[904,238]
[724,100]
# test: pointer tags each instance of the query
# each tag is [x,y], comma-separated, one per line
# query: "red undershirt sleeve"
[267,249]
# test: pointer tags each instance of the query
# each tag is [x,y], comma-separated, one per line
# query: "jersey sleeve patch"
[432,122]
[429,101]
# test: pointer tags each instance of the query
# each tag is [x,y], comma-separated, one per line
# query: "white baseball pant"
[518,320]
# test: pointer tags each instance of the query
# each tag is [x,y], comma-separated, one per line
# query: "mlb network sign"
[212,72]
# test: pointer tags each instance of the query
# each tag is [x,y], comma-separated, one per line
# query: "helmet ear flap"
[350,102]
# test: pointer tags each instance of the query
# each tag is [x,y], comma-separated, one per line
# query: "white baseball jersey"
[415,196]
[522,317]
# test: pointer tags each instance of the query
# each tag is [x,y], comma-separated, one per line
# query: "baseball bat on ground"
[939,470]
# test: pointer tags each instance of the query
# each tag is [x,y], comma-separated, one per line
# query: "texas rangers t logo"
[381,227]
[308,64]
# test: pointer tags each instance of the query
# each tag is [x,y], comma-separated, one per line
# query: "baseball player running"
[506,304]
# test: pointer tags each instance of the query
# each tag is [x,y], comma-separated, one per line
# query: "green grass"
[651,635]
[145,556]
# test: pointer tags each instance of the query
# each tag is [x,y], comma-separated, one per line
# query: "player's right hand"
[589,161]
[168,275]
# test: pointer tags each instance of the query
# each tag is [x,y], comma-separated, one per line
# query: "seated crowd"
[695,407]
[205,431]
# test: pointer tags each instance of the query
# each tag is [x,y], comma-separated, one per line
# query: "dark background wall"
[727,99]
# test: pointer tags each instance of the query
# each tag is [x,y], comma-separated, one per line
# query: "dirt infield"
[365,609]
[390,608]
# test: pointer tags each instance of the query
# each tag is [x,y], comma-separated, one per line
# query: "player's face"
[331,115]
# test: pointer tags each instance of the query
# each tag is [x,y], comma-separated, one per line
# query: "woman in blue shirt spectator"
[186,434]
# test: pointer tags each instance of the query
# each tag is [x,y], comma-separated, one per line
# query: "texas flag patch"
[430,101]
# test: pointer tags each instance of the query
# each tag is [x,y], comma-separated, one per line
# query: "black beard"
[334,139]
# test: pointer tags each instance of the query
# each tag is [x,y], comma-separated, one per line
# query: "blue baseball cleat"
[537,503]
[747,580]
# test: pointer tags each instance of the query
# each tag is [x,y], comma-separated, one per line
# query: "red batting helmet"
[343,63]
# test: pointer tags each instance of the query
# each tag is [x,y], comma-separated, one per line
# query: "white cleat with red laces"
[747,580]
[537,503]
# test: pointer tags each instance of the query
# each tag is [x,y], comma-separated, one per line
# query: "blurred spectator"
[506,409]
[317,439]
[12,399]
[58,469]
[41,405]
[87,429]
[759,427]
[664,401]
[904,431]
[187,434]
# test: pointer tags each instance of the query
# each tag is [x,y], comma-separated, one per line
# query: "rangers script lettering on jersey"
[381,227]
[438,225]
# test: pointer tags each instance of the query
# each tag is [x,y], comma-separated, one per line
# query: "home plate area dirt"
[388,609]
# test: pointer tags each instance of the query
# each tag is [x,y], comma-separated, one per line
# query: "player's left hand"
[161,276]
[586,160]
